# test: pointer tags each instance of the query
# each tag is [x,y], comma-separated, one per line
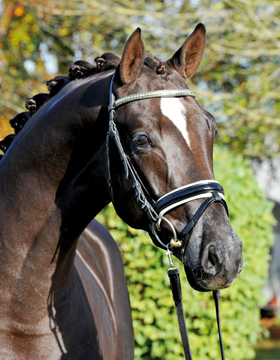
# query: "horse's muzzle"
[218,265]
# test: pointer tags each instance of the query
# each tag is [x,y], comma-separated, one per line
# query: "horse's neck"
[49,192]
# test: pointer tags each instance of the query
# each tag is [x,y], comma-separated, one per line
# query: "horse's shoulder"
[99,257]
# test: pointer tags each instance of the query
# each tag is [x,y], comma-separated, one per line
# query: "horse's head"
[169,141]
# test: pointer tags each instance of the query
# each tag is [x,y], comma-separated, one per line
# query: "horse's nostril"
[212,257]
[210,260]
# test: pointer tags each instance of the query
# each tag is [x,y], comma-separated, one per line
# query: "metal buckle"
[169,254]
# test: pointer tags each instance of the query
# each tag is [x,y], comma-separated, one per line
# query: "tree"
[237,81]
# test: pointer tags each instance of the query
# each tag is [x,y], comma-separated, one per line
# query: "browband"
[150,94]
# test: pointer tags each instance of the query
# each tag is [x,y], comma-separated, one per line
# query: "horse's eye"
[142,140]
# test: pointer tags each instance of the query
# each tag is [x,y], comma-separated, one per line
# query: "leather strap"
[187,231]
[175,286]
[216,295]
[177,297]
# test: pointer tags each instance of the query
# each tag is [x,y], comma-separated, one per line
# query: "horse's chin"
[206,284]
[196,284]
[198,279]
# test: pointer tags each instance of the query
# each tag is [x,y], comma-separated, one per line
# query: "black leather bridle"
[155,210]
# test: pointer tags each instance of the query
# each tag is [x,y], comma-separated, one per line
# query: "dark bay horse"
[54,182]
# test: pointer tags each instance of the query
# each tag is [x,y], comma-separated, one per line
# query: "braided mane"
[80,69]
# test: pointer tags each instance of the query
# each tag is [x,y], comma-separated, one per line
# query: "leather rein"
[210,190]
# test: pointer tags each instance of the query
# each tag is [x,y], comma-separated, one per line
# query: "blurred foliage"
[237,81]
[154,317]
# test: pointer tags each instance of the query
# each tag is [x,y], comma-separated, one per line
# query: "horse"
[156,158]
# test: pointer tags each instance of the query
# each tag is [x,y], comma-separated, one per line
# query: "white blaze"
[174,110]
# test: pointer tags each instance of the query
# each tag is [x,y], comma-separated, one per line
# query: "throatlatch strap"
[177,297]
[216,295]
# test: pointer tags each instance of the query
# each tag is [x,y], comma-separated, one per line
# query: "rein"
[155,210]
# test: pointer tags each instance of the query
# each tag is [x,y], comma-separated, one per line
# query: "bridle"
[155,210]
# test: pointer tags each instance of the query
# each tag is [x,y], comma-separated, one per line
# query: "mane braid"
[82,69]
[155,64]
[4,144]
[151,61]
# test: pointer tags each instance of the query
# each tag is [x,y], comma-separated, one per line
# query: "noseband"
[210,190]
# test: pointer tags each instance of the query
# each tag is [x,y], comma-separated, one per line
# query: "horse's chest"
[18,344]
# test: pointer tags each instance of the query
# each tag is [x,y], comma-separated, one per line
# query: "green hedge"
[154,317]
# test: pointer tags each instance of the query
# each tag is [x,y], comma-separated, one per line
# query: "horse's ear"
[132,58]
[187,59]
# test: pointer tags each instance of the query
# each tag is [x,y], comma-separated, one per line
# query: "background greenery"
[237,82]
